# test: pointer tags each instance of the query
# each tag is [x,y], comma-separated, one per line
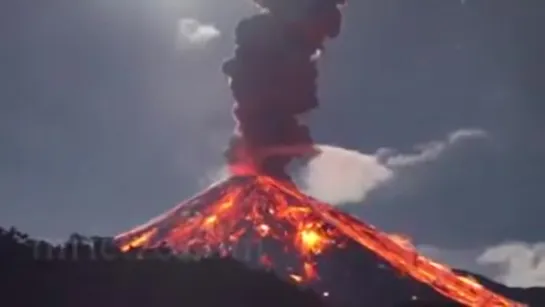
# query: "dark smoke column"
[273,79]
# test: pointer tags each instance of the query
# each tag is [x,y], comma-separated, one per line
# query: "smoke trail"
[273,77]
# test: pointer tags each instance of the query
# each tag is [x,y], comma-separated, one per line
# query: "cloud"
[193,33]
[515,264]
[520,264]
[339,175]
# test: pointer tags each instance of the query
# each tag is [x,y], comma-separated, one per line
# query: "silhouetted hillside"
[94,272]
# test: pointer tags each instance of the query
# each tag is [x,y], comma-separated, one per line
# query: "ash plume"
[273,79]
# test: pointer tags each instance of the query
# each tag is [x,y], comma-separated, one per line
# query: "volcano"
[259,216]
[268,222]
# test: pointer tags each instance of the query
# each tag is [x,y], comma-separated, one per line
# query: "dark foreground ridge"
[93,272]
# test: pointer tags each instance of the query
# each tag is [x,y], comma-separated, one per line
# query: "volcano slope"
[269,223]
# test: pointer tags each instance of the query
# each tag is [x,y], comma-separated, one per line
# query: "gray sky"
[113,111]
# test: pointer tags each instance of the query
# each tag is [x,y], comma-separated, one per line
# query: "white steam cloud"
[515,264]
[429,151]
[340,176]
[521,264]
[193,33]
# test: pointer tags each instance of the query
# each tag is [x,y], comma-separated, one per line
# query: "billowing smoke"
[339,175]
[273,78]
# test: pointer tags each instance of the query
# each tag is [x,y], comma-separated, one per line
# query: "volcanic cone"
[269,222]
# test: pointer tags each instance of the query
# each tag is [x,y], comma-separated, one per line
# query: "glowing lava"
[265,208]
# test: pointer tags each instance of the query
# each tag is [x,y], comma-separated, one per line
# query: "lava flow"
[252,209]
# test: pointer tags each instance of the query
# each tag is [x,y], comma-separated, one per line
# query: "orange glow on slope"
[310,241]
[277,210]
[139,241]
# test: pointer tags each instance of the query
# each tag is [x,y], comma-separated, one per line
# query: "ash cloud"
[273,76]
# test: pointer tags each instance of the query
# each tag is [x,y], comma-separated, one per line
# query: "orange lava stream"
[278,210]
[402,255]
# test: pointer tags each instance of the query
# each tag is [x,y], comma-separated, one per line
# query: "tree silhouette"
[94,272]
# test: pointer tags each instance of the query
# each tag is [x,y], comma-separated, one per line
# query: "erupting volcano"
[259,209]
[290,233]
